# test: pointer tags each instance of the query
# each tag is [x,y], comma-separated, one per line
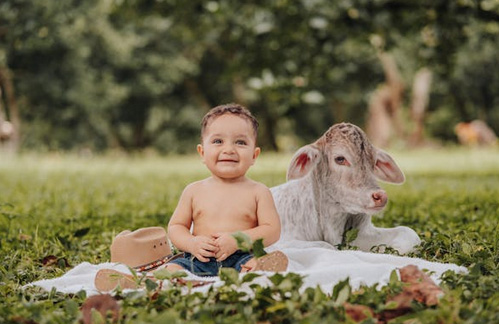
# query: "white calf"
[332,188]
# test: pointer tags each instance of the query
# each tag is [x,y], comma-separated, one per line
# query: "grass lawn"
[70,208]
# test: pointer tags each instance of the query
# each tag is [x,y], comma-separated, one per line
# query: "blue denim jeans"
[210,268]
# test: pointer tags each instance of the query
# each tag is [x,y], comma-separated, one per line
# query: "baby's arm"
[269,224]
[268,228]
[202,247]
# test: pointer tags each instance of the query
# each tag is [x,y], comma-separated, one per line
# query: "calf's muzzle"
[380,198]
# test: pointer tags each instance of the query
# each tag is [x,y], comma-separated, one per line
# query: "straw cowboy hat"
[143,250]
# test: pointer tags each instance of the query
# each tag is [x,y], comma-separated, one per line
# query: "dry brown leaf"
[422,288]
[49,260]
[23,320]
[358,313]
[52,260]
[24,237]
[103,304]
[403,300]
[419,287]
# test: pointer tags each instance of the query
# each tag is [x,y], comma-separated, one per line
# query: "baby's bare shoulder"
[195,186]
[258,187]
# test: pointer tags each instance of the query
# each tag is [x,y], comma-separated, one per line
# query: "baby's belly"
[211,228]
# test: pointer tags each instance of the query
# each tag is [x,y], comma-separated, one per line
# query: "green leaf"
[164,274]
[394,277]
[466,248]
[277,278]
[391,305]
[343,295]
[151,285]
[250,276]
[351,235]
[258,250]
[243,241]
[339,286]
[81,232]
[82,294]
[71,307]
[276,307]
[229,276]
[96,316]
[286,285]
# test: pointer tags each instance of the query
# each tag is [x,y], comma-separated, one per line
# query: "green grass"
[71,208]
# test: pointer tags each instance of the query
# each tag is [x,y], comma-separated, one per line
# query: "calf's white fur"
[332,188]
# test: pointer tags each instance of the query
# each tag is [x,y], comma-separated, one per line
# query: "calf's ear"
[386,169]
[303,162]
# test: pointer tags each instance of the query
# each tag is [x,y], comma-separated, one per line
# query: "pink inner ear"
[385,168]
[389,172]
[384,165]
[301,161]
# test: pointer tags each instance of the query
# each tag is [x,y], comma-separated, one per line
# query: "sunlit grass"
[72,206]
[419,161]
[448,161]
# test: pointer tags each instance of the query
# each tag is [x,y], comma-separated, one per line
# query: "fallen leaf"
[103,304]
[23,320]
[403,306]
[419,287]
[358,313]
[49,260]
[422,288]
[24,237]
[52,260]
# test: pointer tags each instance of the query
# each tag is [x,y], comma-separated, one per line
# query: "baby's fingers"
[210,247]
[202,258]
[221,256]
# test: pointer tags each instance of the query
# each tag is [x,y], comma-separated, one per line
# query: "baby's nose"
[229,149]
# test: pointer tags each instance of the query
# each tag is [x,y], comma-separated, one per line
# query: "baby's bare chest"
[231,206]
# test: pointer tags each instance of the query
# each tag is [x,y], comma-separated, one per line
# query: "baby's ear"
[256,153]
[200,150]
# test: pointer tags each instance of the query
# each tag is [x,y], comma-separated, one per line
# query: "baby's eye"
[217,141]
[240,142]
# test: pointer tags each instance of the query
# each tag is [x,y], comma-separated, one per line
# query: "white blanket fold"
[318,262]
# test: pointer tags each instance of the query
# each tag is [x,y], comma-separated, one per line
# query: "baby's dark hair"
[230,108]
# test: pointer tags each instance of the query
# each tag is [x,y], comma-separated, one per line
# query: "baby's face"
[229,147]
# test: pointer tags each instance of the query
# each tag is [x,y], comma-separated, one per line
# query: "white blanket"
[320,264]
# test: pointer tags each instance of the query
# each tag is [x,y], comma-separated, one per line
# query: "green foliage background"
[134,74]
[71,208]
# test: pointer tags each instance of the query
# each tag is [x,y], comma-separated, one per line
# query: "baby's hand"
[203,247]
[226,244]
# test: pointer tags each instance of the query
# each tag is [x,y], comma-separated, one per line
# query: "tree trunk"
[419,104]
[384,119]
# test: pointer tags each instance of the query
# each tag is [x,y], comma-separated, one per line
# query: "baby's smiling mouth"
[228,160]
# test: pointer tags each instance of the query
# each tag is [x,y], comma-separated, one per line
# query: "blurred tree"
[87,81]
[132,74]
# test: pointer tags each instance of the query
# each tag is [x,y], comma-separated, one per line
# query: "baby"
[226,202]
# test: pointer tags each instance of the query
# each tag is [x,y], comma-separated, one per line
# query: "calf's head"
[344,167]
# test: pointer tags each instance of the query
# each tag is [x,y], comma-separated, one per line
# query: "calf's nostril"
[379,198]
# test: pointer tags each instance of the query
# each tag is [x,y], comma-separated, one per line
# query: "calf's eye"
[340,160]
